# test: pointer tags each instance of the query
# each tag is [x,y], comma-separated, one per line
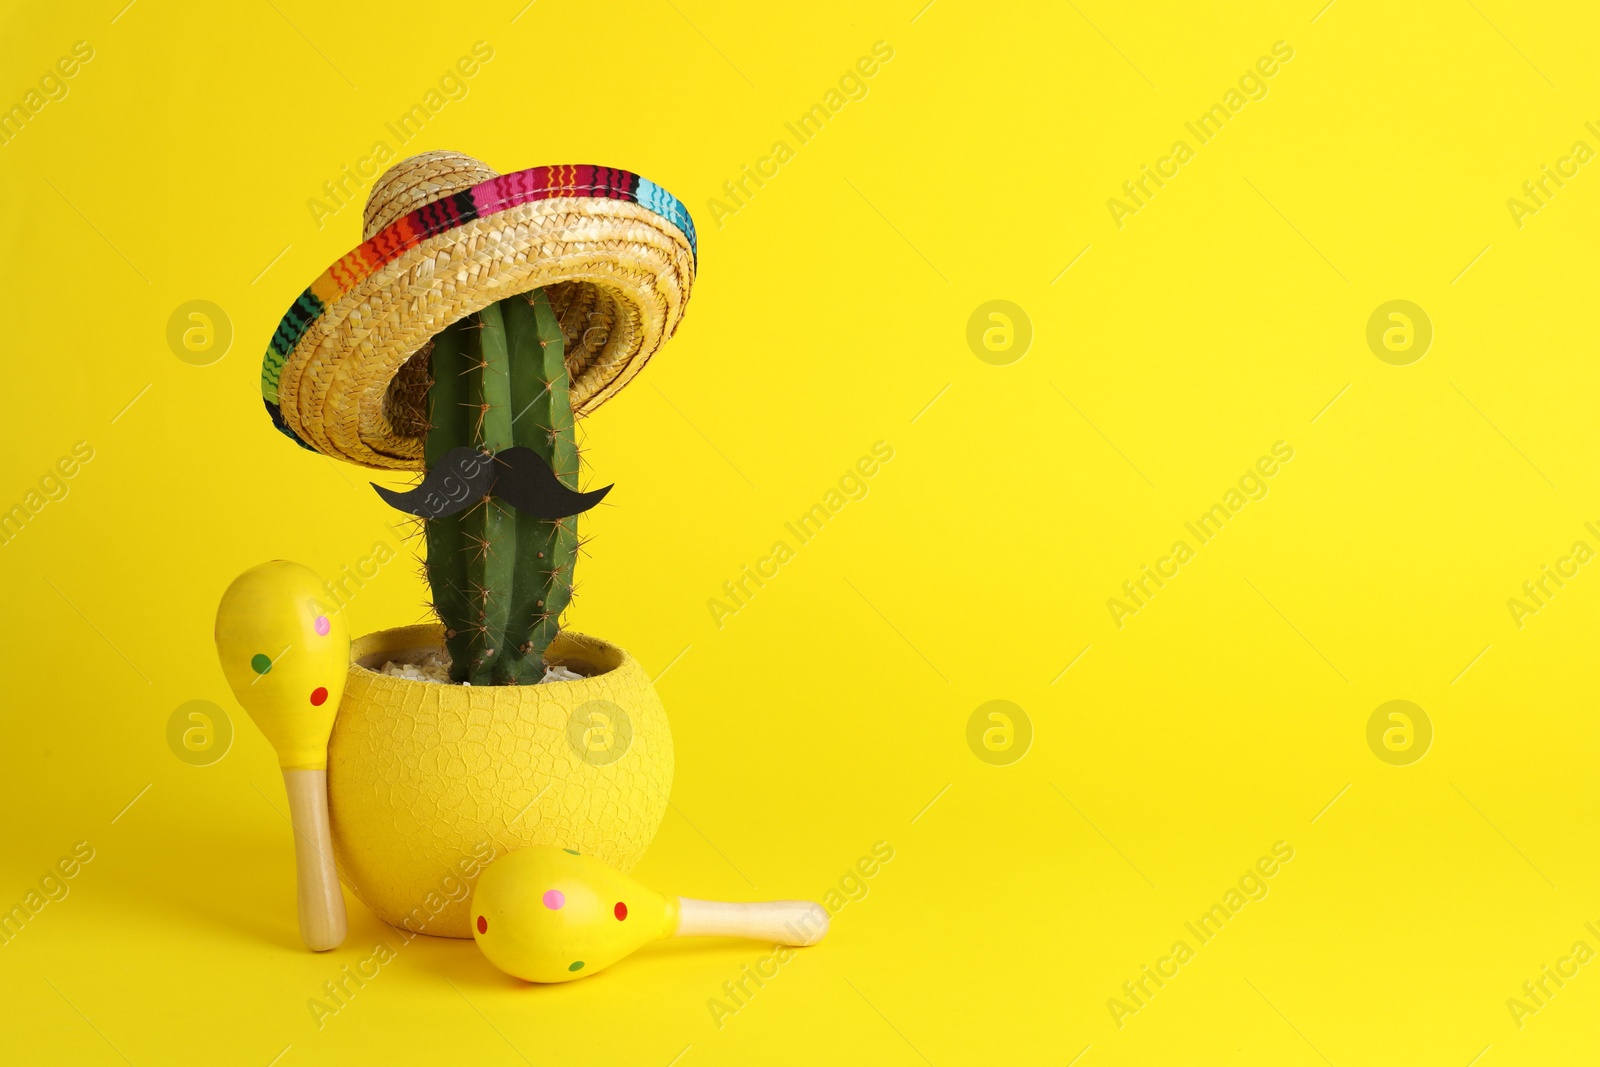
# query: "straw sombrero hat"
[444,236]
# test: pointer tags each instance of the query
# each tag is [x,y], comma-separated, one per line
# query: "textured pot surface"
[426,782]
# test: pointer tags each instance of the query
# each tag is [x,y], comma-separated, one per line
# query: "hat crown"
[417,181]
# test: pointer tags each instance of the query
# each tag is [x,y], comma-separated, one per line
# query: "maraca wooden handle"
[785,922]
[322,918]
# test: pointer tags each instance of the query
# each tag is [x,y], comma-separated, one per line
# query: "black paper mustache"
[519,476]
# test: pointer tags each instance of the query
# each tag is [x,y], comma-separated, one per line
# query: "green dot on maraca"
[260,663]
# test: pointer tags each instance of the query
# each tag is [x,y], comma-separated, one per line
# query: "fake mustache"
[519,476]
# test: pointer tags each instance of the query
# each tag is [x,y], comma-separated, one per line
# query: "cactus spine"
[501,579]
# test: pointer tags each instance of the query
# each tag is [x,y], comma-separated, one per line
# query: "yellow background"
[827,713]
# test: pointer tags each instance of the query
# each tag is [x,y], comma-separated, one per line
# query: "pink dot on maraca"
[323,626]
[318,695]
[554,899]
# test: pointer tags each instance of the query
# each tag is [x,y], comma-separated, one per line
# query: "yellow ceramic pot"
[428,782]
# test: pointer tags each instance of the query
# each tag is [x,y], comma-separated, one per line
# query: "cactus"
[501,579]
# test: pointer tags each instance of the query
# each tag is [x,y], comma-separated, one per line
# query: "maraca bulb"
[550,915]
[285,655]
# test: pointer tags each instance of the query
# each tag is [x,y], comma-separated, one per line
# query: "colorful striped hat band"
[444,237]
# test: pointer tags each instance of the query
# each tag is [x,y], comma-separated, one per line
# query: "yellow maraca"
[286,659]
[550,915]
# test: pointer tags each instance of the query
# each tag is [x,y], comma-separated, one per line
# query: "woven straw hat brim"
[327,376]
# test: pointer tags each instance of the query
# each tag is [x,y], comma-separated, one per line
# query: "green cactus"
[501,579]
